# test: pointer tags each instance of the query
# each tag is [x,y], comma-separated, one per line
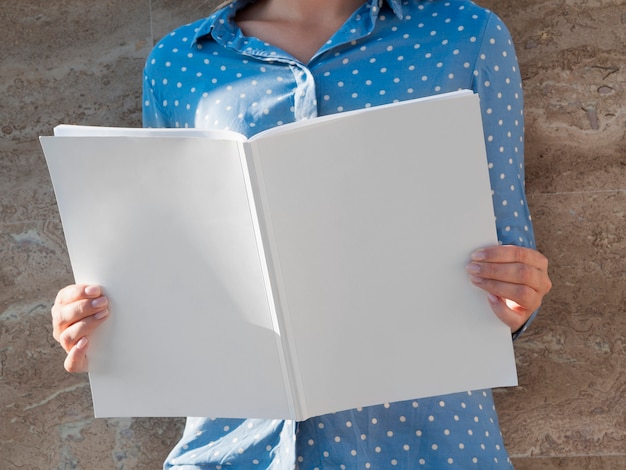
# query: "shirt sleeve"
[152,116]
[497,81]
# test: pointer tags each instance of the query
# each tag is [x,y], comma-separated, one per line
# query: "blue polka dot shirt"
[208,74]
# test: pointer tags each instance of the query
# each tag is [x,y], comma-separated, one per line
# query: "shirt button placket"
[305,99]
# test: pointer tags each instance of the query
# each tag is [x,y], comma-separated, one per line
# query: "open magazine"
[316,267]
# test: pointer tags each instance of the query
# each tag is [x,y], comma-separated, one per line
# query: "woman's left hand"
[515,278]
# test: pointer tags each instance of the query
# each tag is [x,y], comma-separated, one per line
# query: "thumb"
[76,360]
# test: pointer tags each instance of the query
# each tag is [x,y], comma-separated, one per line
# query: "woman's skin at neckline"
[299,27]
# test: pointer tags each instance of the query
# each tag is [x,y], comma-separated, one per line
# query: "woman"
[254,65]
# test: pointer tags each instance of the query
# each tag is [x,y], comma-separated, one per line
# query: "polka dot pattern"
[386,436]
[207,74]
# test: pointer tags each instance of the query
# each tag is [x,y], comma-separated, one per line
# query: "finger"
[511,315]
[76,360]
[75,292]
[511,254]
[72,335]
[513,273]
[526,297]
[64,315]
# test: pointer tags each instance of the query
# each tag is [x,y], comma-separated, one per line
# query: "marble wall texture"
[80,61]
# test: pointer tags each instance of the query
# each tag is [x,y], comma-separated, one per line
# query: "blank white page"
[369,223]
[164,225]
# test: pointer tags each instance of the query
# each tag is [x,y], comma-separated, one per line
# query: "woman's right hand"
[77,311]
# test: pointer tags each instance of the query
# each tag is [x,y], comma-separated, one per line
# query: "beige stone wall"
[79,61]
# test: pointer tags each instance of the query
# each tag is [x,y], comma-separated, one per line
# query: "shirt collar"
[220,21]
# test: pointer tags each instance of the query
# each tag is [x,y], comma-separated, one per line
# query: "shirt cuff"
[525,326]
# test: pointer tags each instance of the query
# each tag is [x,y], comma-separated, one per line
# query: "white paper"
[170,239]
[329,277]
[379,253]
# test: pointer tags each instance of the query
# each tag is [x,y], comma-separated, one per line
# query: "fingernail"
[82,343]
[92,290]
[101,315]
[493,299]
[99,302]
[472,268]
[476,279]
[478,255]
